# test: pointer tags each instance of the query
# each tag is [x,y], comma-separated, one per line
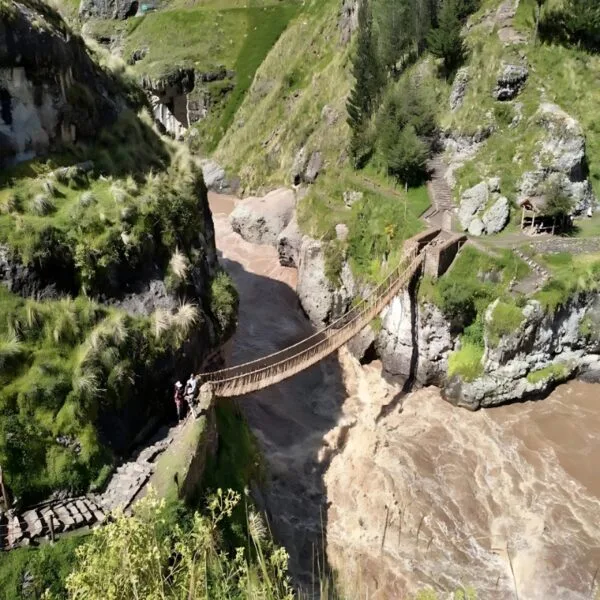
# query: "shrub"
[555,372]
[223,301]
[13,204]
[203,568]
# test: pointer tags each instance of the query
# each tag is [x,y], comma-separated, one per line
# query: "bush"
[577,23]
[466,363]
[187,557]
[405,120]
[505,319]
[556,372]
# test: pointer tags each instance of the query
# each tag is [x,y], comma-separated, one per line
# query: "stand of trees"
[398,124]
[577,23]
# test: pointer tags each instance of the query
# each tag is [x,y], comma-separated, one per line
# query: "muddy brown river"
[505,500]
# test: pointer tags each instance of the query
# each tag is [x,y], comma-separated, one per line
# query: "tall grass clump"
[42,205]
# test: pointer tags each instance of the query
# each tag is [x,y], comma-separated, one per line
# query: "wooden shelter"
[534,217]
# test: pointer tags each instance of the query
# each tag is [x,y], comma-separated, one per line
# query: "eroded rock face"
[108,9]
[50,90]
[395,344]
[482,209]
[289,242]
[306,167]
[459,88]
[348,21]
[261,220]
[555,345]
[560,161]
[320,298]
[511,80]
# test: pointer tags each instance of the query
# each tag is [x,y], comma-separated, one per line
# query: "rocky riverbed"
[407,489]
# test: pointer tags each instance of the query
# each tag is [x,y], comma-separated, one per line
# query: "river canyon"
[403,490]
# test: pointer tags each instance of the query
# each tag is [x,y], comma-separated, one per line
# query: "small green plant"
[466,363]
[554,372]
[504,320]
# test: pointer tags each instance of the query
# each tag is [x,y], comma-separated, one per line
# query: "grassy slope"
[297,100]
[306,70]
[205,36]
[567,77]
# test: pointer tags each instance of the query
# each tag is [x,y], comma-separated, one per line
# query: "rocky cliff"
[416,340]
[51,92]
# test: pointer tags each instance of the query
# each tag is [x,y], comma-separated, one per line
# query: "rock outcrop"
[348,21]
[108,9]
[51,91]
[415,341]
[289,242]
[546,349]
[511,80]
[482,209]
[321,299]
[261,220]
[560,162]
[183,96]
[459,88]
[306,167]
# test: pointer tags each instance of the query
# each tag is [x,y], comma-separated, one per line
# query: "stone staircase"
[52,518]
[46,520]
[535,280]
[439,192]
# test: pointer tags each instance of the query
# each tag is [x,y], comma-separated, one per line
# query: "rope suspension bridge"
[264,372]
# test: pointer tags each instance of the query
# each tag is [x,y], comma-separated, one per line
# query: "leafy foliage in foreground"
[148,555]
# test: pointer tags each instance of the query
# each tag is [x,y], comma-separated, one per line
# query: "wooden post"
[522,217]
[3,492]
[533,223]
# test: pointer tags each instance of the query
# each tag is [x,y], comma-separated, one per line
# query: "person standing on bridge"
[178,397]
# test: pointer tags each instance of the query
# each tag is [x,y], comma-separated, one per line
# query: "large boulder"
[261,220]
[472,201]
[510,81]
[496,217]
[482,209]
[289,242]
[321,299]
[108,9]
[559,161]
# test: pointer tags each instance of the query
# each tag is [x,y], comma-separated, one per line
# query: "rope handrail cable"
[241,372]
[319,333]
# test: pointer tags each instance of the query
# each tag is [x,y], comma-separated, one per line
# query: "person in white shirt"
[190,392]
